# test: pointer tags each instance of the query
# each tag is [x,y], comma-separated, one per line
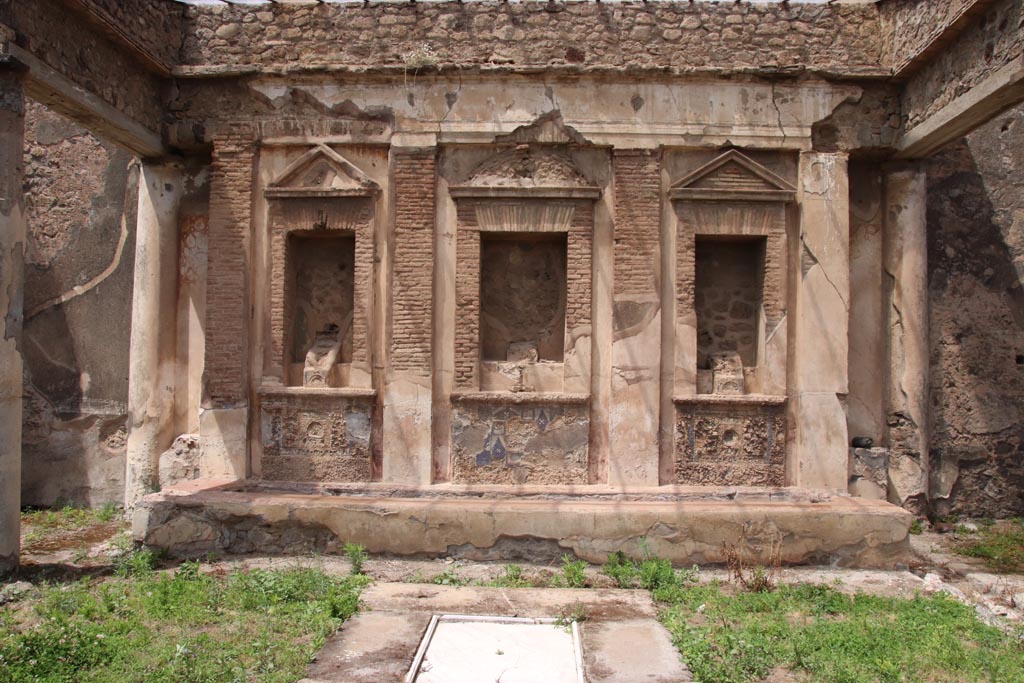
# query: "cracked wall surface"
[976,267]
[80,205]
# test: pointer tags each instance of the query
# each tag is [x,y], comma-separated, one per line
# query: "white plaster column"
[818,372]
[905,251]
[151,363]
[12,281]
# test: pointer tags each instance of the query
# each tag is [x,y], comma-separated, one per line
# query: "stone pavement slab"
[622,640]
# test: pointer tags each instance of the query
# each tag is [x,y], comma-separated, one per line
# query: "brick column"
[636,345]
[152,359]
[407,390]
[818,372]
[224,418]
[12,281]
[905,257]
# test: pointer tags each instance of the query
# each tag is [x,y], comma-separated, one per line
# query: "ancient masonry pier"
[12,249]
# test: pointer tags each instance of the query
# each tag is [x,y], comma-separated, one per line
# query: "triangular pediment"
[527,170]
[321,172]
[733,175]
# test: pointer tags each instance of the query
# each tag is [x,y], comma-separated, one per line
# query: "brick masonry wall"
[413,178]
[637,221]
[990,43]
[227,312]
[467,309]
[680,36]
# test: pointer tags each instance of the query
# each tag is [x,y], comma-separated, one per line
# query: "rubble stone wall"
[976,270]
[911,26]
[86,57]
[991,42]
[80,201]
[412,37]
[151,26]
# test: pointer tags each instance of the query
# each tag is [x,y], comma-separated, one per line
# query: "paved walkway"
[622,641]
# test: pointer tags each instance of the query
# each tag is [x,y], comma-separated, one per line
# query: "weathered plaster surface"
[12,253]
[80,210]
[975,270]
[688,529]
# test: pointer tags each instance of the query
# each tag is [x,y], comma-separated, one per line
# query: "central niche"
[322,269]
[522,296]
[727,297]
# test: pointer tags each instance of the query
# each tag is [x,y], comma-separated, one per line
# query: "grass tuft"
[999,544]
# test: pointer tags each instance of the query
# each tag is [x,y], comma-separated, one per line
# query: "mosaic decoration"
[322,438]
[732,444]
[519,444]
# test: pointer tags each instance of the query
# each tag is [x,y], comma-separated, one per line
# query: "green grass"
[187,626]
[999,544]
[825,636]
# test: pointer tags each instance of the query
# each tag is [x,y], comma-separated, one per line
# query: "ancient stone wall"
[149,26]
[910,27]
[976,270]
[86,57]
[423,36]
[990,43]
[81,203]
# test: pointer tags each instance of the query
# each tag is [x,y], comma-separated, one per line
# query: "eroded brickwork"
[227,312]
[413,173]
[637,221]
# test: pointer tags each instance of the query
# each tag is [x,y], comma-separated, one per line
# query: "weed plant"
[186,626]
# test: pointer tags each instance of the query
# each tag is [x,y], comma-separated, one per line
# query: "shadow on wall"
[81,203]
[976,268]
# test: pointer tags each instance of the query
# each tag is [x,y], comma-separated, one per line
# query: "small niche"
[522,297]
[321,274]
[727,298]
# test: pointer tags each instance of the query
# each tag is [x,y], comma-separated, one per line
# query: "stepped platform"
[687,525]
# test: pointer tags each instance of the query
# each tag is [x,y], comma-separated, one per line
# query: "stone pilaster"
[636,346]
[905,254]
[818,449]
[407,390]
[12,251]
[152,360]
